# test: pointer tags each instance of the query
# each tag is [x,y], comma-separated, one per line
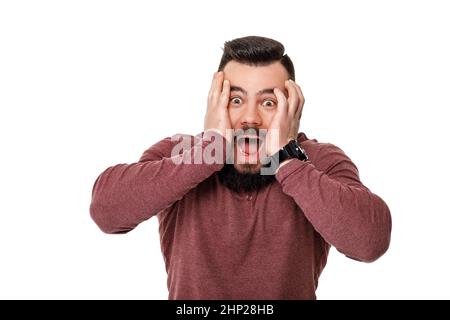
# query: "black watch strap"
[296,151]
[290,151]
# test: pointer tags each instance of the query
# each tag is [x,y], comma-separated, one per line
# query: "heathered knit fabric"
[269,244]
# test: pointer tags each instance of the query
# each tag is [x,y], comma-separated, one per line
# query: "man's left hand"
[286,122]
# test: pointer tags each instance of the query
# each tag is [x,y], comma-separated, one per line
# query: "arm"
[127,194]
[340,208]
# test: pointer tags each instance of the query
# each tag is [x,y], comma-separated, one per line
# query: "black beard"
[239,182]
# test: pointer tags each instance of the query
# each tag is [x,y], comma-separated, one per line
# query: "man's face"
[252,105]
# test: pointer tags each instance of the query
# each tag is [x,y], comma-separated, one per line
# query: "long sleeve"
[124,195]
[341,209]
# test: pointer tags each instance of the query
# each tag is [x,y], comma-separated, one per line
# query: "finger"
[225,95]
[293,100]
[299,93]
[281,101]
[218,84]
[220,78]
[213,82]
[301,100]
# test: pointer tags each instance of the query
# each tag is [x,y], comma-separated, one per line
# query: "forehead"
[254,78]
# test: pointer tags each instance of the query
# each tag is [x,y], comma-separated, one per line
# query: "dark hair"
[256,51]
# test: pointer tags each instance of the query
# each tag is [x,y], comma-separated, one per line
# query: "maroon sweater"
[270,244]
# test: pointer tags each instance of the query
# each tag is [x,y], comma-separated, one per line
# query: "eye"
[235,100]
[269,103]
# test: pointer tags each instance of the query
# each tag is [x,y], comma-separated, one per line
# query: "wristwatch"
[290,151]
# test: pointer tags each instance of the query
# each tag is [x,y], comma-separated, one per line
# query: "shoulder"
[165,147]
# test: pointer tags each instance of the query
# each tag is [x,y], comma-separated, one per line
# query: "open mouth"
[248,144]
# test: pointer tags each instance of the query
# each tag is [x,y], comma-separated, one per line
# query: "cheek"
[234,117]
[267,116]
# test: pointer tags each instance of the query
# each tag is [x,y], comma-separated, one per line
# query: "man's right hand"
[217,118]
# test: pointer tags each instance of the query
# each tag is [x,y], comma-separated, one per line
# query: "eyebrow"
[260,92]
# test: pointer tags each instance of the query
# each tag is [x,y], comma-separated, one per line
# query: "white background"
[88,84]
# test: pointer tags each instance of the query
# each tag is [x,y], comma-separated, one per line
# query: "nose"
[251,116]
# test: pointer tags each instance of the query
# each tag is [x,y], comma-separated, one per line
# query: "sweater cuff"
[293,166]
